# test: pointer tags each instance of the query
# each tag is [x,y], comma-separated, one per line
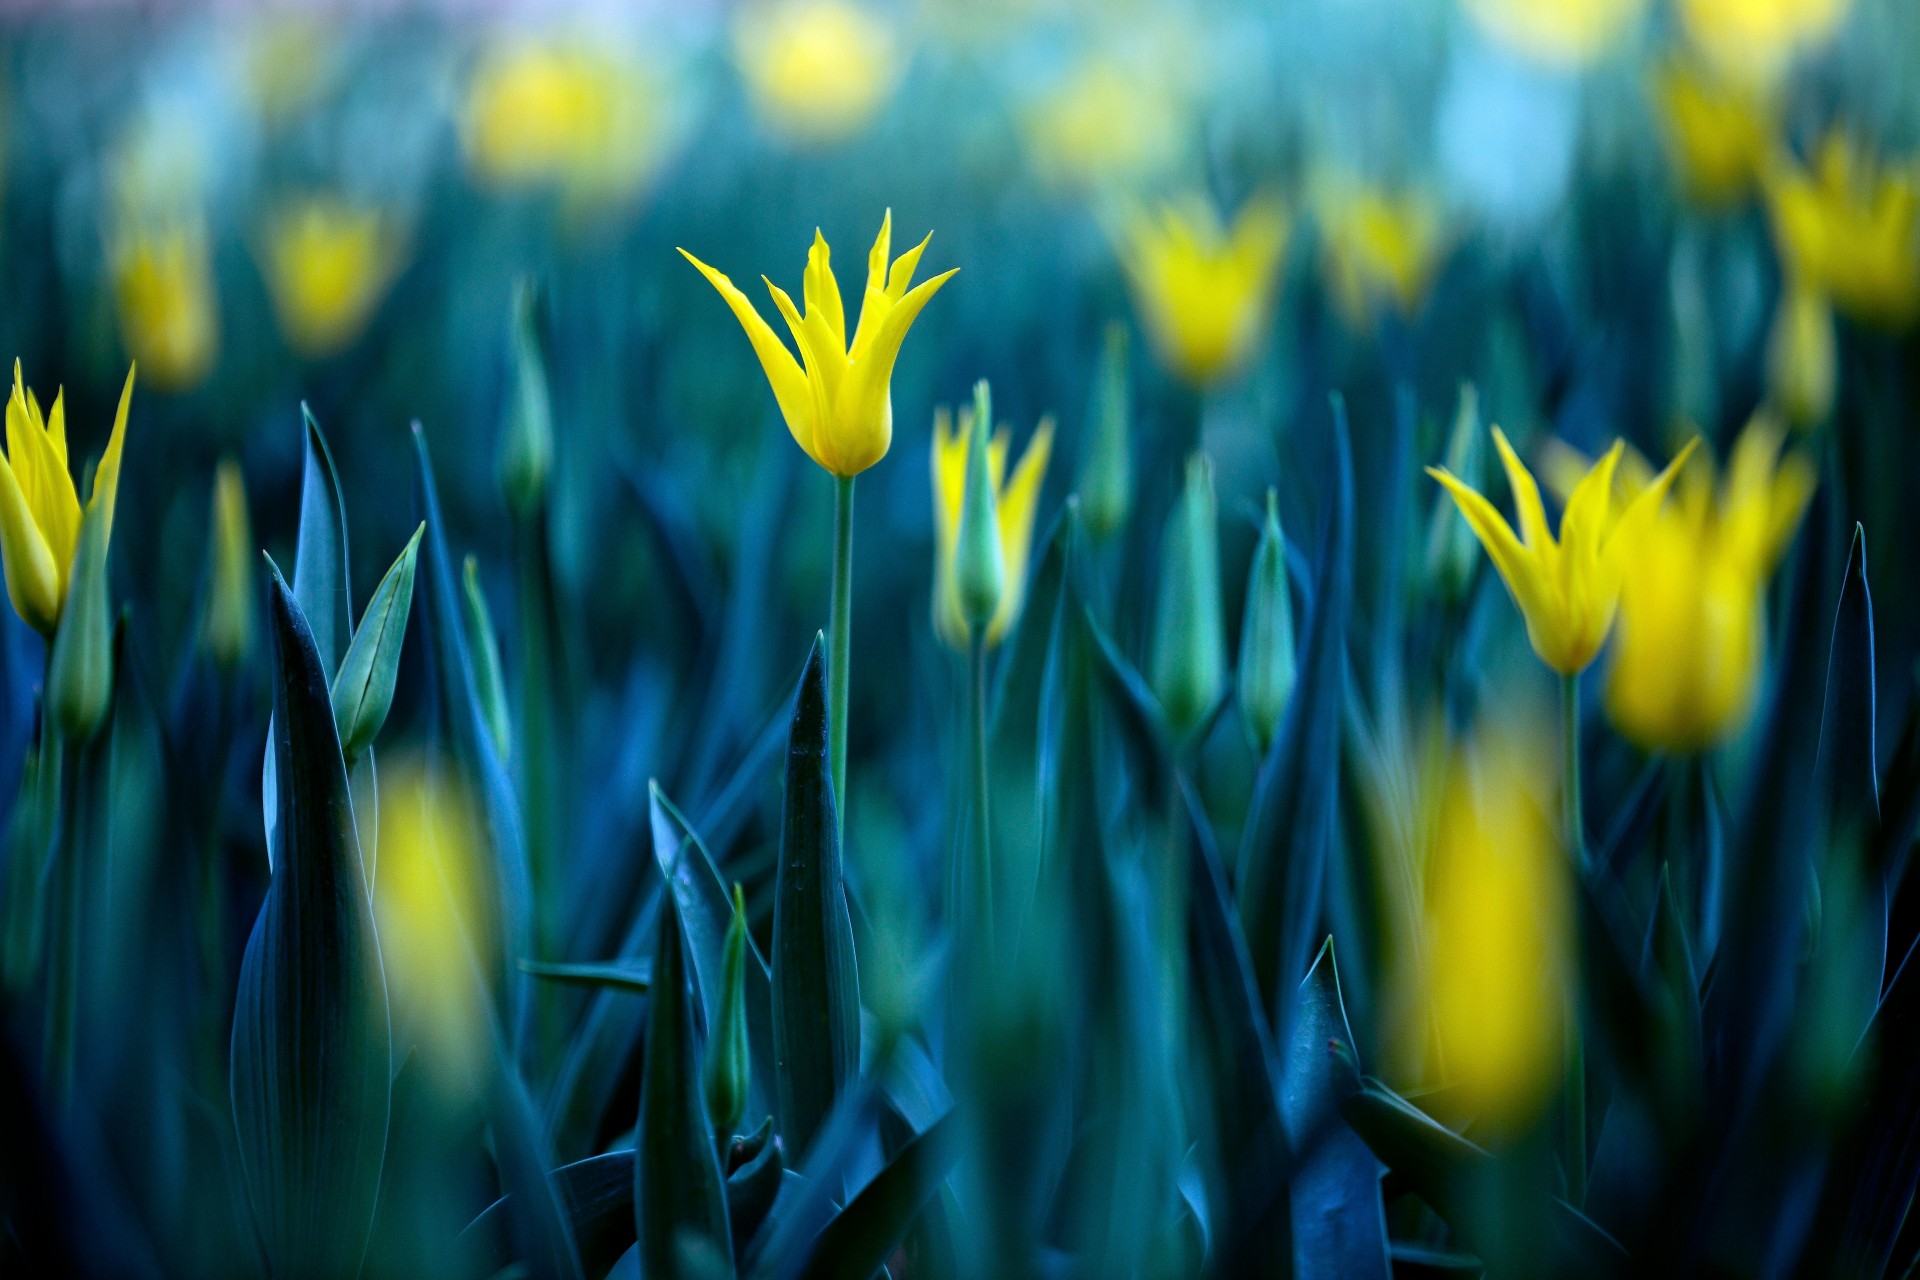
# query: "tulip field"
[783,639]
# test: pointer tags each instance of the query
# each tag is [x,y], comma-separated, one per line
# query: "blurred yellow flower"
[39,506]
[1692,631]
[1567,590]
[1718,131]
[1802,357]
[1852,230]
[817,70]
[577,116]
[229,617]
[1102,124]
[1499,932]
[1019,499]
[1379,248]
[169,317]
[1755,39]
[429,902]
[839,407]
[1205,293]
[327,264]
[1556,33]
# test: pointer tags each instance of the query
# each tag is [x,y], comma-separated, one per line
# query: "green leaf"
[311,1055]
[816,993]
[859,1239]
[488,681]
[596,1195]
[363,689]
[634,976]
[1846,760]
[1339,1227]
[680,1202]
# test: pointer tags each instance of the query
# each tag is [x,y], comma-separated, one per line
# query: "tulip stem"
[840,645]
[1576,1083]
[982,824]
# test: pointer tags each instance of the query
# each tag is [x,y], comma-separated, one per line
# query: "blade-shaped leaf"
[363,689]
[311,1056]
[597,1198]
[859,1239]
[816,994]
[1846,760]
[615,975]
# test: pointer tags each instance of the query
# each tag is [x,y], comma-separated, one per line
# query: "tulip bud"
[486,660]
[1266,635]
[1106,476]
[728,1066]
[1190,643]
[1452,551]
[526,448]
[228,626]
[979,572]
[1800,356]
[363,689]
[80,669]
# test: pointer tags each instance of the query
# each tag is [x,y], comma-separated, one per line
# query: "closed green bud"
[1106,475]
[526,447]
[1452,550]
[80,669]
[486,659]
[1190,642]
[1267,667]
[227,629]
[979,571]
[363,688]
[728,1068]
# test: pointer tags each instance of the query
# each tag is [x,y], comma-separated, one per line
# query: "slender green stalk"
[840,644]
[982,819]
[1576,1084]
[63,902]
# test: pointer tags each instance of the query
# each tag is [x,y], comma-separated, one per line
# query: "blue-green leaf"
[363,688]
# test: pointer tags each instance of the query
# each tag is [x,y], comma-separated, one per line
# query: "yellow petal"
[782,370]
[1526,495]
[57,426]
[862,398]
[903,268]
[33,579]
[1647,502]
[1518,565]
[824,447]
[821,292]
[106,478]
[1019,502]
[877,256]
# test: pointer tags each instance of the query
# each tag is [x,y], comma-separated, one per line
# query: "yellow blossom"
[1204,292]
[574,115]
[1556,33]
[1103,123]
[163,282]
[1718,131]
[1851,230]
[1755,39]
[39,506]
[1499,937]
[1018,500]
[1687,662]
[327,263]
[1802,359]
[837,398]
[1379,247]
[1567,589]
[818,70]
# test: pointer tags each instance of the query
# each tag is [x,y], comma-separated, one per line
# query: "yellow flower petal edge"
[1018,503]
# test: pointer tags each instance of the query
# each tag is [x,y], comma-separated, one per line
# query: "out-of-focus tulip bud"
[1266,635]
[80,670]
[1801,361]
[1452,551]
[526,446]
[1190,643]
[1106,477]
[727,1068]
[979,572]
[231,620]
[486,659]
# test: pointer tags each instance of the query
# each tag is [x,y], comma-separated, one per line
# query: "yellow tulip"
[39,506]
[818,70]
[1499,938]
[163,281]
[837,398]
[1687,661]
[1851,230]
[1802,356]
[1205,293]
[229,619]
[1103,123]
[568,114]
[1755,39]
[1718,131]
[1379,247]
[326,263]
[1567,589]
[1556,33]
[1019,499]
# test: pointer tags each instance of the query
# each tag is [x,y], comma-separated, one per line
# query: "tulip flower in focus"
[837,399]
[1756,39]
[1692,629]
[1556,33]
[1499,937]
[163,284]
[1718,132]
[1852,230]
[39,505]
[1380,248]
[818,70]
[1018,498]
[1205,292]
[327,263]
[1567,588]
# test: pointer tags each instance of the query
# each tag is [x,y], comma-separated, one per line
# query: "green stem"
[982,819]
[63,899]
[1576,1084]
[840,644]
